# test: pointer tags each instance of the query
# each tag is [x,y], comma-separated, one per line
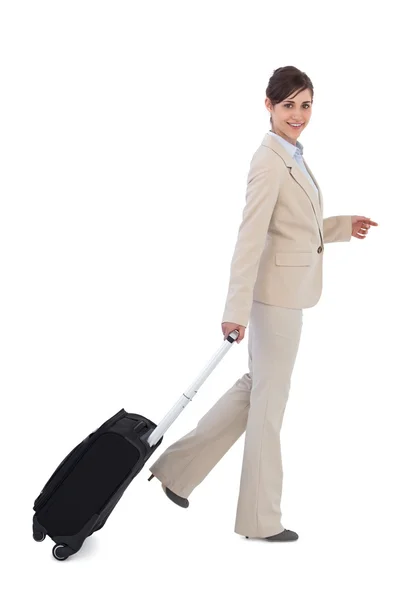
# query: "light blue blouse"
[296,152]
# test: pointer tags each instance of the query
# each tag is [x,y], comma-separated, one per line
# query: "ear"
[268,104]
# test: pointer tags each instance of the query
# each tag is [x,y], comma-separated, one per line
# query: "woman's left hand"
[360,226]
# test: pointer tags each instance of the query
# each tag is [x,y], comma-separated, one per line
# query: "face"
[295,110]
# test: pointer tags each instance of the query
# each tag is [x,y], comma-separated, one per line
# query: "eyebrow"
[305,101]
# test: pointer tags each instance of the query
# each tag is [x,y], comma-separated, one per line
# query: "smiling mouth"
[296,125]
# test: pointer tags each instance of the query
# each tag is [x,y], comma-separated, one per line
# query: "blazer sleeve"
[263,184]
[337,229]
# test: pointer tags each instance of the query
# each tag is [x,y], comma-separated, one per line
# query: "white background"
[127,130]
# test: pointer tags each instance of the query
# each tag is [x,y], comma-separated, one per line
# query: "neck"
[285,137]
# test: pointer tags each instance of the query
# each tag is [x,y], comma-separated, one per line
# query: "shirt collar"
[294,150]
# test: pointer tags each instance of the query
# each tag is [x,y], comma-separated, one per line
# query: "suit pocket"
[293,259]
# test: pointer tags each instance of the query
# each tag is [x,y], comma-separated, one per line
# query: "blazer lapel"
[299,176]
[321,205]
[303,181]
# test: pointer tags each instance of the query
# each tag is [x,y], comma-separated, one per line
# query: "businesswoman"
[276,272]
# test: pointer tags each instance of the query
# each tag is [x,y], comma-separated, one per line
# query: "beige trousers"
[255,404]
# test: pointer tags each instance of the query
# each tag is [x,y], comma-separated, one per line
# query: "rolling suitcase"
[85,488]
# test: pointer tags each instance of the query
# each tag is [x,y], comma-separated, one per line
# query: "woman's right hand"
[227,328]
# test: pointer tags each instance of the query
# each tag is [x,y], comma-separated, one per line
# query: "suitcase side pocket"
[59,474]
[71,460]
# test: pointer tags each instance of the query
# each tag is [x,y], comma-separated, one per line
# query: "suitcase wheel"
[39,536]
[61,552]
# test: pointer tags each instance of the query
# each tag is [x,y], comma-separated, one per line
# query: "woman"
[276,271]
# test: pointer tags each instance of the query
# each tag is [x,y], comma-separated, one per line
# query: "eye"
[289,105]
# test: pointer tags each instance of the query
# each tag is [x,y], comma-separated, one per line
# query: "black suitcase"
[85,488]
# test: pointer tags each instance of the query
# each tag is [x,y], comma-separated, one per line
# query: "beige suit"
[279,250]
[275,272]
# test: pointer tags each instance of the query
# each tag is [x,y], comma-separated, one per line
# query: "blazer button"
[319,250]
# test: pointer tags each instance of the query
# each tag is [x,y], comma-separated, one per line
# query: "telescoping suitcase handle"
[187,396]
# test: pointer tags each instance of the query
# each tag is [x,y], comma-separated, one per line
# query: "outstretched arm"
[337,229]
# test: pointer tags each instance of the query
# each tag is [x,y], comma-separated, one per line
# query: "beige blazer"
[280,245]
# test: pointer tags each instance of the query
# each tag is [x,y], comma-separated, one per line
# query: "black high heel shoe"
[284,536]
[182,502]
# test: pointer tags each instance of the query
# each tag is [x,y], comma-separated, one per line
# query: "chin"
[295,133]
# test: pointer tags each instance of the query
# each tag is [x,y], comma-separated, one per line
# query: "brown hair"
[286,80]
